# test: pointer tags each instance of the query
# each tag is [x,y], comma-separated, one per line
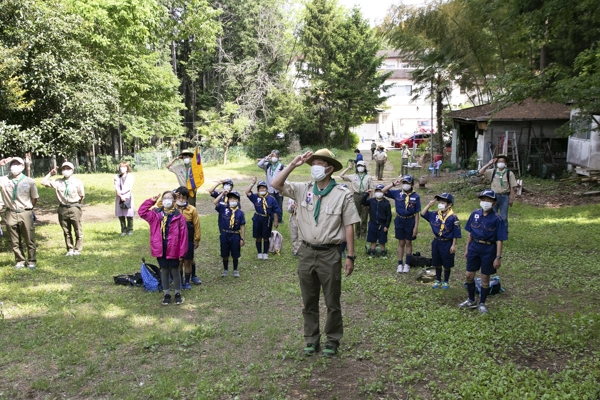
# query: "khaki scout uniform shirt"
[355,182]
[380,156]
[182,173]
[26,191]
[508,181]
[337,211]
[73,195]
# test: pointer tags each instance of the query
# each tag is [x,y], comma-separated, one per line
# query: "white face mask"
[167,203]
[262,193]
[123,170]
[486,205]
[181,203]
[318,173]
[441,206]
[501,165]
[233,204]
[378,195]
[16,169]
[406,187]
[360,169]
[67,172]
[227,187]
[274,159]
[186,160]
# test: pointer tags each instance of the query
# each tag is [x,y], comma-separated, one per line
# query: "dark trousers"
[22,235]
[279,199]
[69,219]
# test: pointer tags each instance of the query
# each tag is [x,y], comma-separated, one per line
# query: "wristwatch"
[498,257]
[353,258]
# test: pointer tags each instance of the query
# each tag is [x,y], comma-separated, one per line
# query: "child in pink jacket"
[168,241]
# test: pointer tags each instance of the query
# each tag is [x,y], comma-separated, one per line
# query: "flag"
[196,176]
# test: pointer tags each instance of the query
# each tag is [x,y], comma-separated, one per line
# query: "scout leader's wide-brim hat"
[187,152]
[502,156]
[325,155]
[445,197]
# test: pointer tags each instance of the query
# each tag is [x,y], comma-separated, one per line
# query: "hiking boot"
[185,286]
[311,349]
[224,273]
[20,264]
[468,304]
[196,280]
[178,299]
[436,285]
[482,308]
[69,253]
[166,300]
[236,274]
[445,285]
[329,351]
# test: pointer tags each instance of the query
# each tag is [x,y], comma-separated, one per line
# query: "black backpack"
[129,279]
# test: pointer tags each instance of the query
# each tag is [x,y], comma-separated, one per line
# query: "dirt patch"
[546,360]
[557,195]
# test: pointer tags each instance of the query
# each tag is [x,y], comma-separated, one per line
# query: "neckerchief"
[501,175]
[232,218]
[406,199]
[66,188]
[320,194]
[264,202]
[360,187]
[274,167]
[163,223]
[443,219]
[16,182]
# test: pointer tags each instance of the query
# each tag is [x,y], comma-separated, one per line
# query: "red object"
[417,138]
[437,157]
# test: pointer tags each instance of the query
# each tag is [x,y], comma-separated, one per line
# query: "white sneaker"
[400,269]
[31,265]
[406,268]
[69,253]
[260,256]
[76,253]
[20,264]
[265,256]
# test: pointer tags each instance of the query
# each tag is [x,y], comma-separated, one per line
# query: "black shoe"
[178,299]
[311,349]
[166,300]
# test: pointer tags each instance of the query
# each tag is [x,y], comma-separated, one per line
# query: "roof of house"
[528,110]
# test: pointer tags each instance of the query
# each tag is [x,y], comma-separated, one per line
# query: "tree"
[223,128]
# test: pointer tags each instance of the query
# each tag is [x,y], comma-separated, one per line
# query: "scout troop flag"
[196,176]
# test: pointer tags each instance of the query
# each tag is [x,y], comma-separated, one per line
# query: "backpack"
[128,279]
[495,286]
[151,277]
[275,242]
[416,260]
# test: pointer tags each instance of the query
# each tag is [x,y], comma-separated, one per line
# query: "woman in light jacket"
[124,207]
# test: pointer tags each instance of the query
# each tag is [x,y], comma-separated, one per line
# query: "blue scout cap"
[261,183]
[446,197]
[408,179]
[228,181]
[488,193]
[234,194]
[379,187]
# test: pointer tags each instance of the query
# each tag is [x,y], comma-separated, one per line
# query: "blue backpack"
[495,286]
[151,277]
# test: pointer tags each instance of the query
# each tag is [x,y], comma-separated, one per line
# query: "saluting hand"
[432,202]
[155,198]
[254,180]
[301,159]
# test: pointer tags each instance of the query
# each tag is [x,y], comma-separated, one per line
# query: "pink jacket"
[177,238]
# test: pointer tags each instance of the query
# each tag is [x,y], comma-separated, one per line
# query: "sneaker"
[437,285]
[265,256]
[260,256]
[311,349]
[196,280]
[384,255]
[406,268]
[371,254]
[445,285]
[166,300]
[224,273]
[130,233]
[178,299]
[400,269]
[468,304]
[185,286]
[69,253]
[123,233]
[76,253]
[31,265]
[482,308]
[329,351]
[236,274]
[20,264]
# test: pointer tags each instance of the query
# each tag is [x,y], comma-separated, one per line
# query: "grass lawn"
[66,331]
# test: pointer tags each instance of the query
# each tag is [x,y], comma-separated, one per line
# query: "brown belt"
[483,241]
[319,246]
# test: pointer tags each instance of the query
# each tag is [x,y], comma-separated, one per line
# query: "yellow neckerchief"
[407,198]
[163,222]
[232,219]
[264,202]
[443,219]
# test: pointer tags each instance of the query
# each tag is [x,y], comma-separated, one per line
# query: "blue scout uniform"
[485,231]
[444,231]
[262,221]
[404,223]
[359,157]
[230,230]
[380,216]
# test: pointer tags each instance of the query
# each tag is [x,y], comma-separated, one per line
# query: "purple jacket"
[177,237]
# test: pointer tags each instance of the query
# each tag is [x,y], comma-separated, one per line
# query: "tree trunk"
[439,108]
[347,127]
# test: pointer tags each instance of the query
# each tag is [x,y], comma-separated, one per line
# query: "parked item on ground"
[419,261]
[275,242]
[495,286]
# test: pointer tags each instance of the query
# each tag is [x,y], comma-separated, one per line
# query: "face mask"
[186,160]
[318,172]
[378,195]
[16,169]
[501,165]
[233,204]
[360,169]
[441,206]
[227,187]
[262,193]
[181,203]
[167,203]
[406,187]
[274,159]
[123,170]
[67,172]
[486,205]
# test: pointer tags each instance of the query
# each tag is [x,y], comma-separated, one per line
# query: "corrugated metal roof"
[529,110]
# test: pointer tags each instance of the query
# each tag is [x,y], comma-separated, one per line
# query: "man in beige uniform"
[70,194]
[380,157]
[360,182]
[325,213]
[19,195]
[182,172]
[501,183]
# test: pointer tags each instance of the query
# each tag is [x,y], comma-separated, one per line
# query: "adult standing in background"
[360,182]
[70,193]
[325,213]
[19,195]
[273,166]
[359,157]
[183,172]
[405,156]
[124,208]
[502,183]
[380,159]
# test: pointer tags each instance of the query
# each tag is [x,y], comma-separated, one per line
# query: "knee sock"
[259,246]
[226,264]
[447,274]
[235,264]
[471,290]
[438,274]
[164,280]
[177,282]
[188,277]
[266,245]
[408,258]
[484,293]
[400,261]
[194,268]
